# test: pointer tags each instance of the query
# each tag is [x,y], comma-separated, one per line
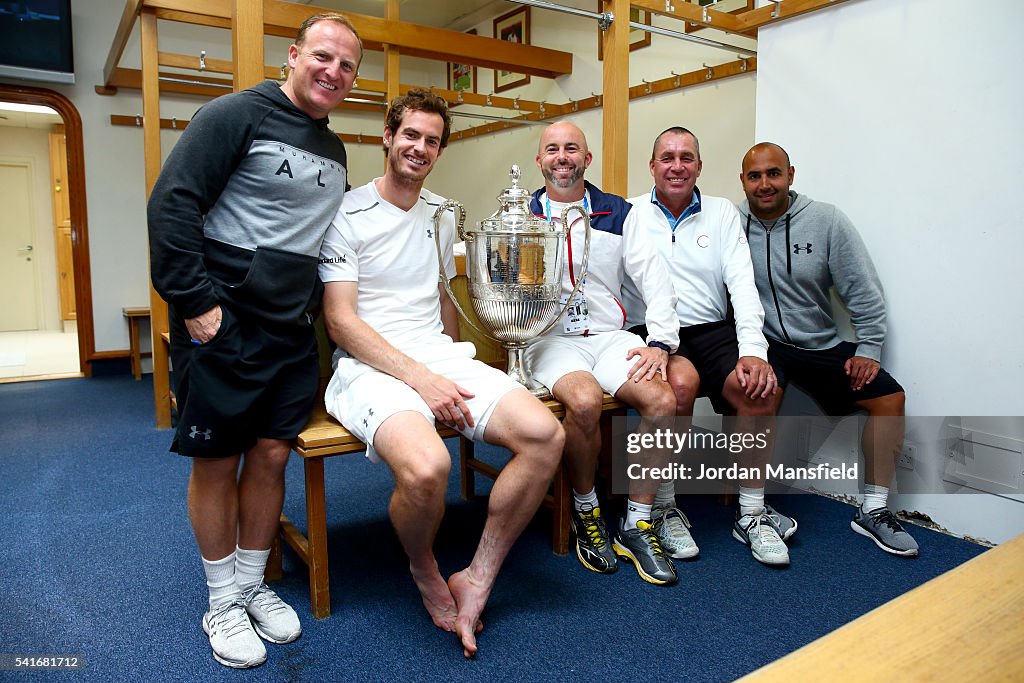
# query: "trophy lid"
[514,213]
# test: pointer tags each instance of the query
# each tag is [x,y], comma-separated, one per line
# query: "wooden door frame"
[79,215]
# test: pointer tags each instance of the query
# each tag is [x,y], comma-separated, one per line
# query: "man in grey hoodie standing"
[800,249]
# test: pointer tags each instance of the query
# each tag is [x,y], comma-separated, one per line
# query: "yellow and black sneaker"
[641,547]
[592,546]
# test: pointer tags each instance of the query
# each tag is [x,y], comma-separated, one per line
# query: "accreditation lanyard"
[568,236]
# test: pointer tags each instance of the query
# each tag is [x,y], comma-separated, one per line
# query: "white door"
[18,283]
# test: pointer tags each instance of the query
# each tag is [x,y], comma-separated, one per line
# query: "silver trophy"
[514,263]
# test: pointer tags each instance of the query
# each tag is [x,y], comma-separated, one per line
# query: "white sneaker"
[233,641]
[760,533]
[673,530]
[271,616]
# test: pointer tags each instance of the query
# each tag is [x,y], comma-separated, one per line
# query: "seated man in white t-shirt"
[399,368]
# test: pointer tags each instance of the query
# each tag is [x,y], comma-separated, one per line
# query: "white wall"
[906,115]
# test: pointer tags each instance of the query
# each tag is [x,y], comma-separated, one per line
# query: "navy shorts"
[822,375]
[713,350]
[250,381]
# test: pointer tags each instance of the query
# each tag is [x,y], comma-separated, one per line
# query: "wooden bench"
[135,314]
[324,437]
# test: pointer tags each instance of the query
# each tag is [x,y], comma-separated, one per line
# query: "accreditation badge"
[577,316]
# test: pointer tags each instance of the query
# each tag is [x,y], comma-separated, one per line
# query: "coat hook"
[775,12]
[459,99]
[647,90]
[202,60]
[597,98]
[743,64]
[515,102]
[174,122]
[284,75]
[542,113]
[489,99]
[710,74]
[676,81]
[138,120]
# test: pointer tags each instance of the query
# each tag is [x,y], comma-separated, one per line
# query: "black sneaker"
[641,547]
[592,546]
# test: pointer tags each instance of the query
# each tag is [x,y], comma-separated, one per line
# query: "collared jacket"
[617,254]
[709,263]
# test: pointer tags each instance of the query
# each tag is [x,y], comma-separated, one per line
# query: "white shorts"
[552,357]
[362,398]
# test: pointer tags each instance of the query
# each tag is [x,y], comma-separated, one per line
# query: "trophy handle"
[461,213]
[583,267]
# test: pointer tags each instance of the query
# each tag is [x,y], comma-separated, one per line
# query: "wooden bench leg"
[273,570]
[134,349]
[560,511]
[467,453]
[316,532]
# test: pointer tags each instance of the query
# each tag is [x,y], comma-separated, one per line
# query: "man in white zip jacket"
[588,352]
[721,355]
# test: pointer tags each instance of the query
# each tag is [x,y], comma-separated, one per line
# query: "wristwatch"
[660,345]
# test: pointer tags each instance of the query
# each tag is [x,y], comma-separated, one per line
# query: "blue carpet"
[99,561]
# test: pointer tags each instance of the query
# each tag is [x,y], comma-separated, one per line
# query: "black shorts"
[822,375]
[250,381]
[713,350]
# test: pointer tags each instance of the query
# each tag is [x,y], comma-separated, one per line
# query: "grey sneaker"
[271,616]
[673,530]
[759,532]
[592,546]
[882,527]
[641,547]
[233,641]
[786,526]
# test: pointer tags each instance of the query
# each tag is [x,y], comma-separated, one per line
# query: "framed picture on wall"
[462,77]
[637,37]
[515,28]
[730,6]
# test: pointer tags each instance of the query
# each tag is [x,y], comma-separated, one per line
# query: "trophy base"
[517,371]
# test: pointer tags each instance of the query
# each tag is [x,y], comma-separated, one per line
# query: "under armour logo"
[366,420]
[195,433]
[430,233]
[806,248]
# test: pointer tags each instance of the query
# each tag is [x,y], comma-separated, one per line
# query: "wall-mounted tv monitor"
[35,40]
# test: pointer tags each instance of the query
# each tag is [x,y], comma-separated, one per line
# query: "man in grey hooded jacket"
[800,249]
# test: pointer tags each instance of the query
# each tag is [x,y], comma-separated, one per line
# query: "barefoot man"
[400,368]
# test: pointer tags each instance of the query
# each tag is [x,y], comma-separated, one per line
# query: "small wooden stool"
[134,314]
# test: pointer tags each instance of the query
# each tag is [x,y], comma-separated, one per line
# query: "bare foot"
[470,597]
[436,598]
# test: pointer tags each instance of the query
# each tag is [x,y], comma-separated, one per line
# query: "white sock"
[666,496]
[580,498]
[751,501]
[635,512]
[220,580]
[875,497]
[249,567]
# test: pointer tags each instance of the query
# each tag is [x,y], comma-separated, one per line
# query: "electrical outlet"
[907,456]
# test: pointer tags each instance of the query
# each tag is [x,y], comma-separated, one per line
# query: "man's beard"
[568,182]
